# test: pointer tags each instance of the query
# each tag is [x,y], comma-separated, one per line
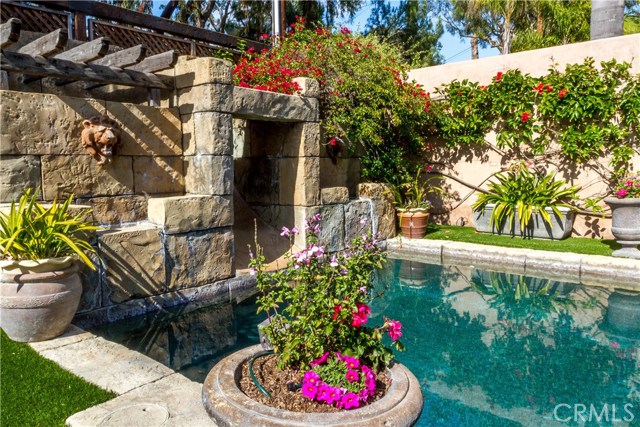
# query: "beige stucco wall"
[475,166]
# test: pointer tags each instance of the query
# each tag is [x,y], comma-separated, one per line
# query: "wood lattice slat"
[129,37]
[34,19]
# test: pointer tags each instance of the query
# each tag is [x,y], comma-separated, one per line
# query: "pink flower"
[351,362]
[614,345]
[350,400]
[311,377]
[629,183]
[285,232]
[352,376]
[320,360]
[360,316]
[622,193]
[333,142]
[394,329]
[329,394]
[309,390]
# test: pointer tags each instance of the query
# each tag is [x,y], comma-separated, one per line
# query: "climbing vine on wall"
[580,115]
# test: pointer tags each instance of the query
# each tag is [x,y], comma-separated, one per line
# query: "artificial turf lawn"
[35,391]
[579,245]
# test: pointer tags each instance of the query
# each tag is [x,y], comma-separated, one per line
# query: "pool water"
[488,348]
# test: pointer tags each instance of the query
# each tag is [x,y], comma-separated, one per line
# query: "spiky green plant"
[523,193]
[31,232]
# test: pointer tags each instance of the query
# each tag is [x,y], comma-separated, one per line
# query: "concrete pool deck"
[151,394]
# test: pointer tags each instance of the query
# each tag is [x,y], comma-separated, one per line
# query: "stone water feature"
[165,200]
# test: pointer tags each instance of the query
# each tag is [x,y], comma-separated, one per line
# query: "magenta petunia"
[350,400]
[352,376]
[351,362]
[309,390]
[310,377]
[320,360]
[622,193]
[329,394]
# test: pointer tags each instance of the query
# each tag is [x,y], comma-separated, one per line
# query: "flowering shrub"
[582,114]
[318,309]
[628,187]
[366,102]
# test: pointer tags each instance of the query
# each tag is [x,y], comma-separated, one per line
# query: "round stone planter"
[413,223]
[229,406]
[38,299]
[625,225]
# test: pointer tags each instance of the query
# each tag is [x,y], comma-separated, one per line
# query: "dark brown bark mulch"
[275,381]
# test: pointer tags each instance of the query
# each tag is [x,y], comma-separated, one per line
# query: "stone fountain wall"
[166,201]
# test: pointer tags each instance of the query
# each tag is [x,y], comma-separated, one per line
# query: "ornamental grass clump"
[318,310]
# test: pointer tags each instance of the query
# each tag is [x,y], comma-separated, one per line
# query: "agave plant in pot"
[412,205]
[330,365]
[40,246]
[625,216]
[526,202]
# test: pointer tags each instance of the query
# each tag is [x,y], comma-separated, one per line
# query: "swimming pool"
[489,348]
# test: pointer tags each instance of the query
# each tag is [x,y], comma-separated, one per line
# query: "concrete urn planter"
[625,225]
[229,406]
[560,228]
[38,299]
[413,223]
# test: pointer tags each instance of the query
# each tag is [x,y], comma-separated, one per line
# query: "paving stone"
[611,271]
[484,256]
[107,364]
[561,265]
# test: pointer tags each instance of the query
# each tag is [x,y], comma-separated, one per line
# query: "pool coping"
[594,270]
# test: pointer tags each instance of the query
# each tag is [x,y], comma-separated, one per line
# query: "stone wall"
[166,201]
[476,166]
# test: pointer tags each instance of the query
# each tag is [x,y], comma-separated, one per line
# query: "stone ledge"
[182,214]
[593,270]
[259,104]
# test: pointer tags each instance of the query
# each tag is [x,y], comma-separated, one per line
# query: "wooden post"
[80,26]
[4,80]
[154,97]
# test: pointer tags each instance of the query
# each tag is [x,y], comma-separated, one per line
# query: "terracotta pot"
[625,225]
[38,299]
[413,223]
[229,406]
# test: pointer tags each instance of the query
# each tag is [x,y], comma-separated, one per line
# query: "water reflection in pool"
[489,348]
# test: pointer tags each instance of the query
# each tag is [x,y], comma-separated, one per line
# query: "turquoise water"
[489,349]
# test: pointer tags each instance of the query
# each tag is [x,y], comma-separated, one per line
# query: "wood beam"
[60,68]
[86,52]
[125,16]
[47,45]
[10,32]
[158,62]
[123,58]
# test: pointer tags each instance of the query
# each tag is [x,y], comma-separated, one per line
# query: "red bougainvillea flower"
[499,76]
[539,88]
[333,142]
[336,311]
[562,93]
[525,117]
[549,88]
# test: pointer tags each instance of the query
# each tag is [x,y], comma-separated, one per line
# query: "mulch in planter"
[275,382]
